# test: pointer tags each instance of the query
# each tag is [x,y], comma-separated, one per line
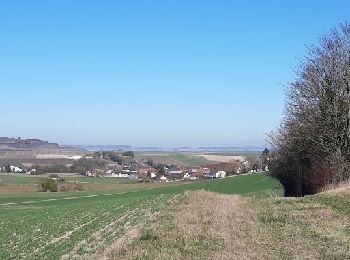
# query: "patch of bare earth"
[18,189]
[222,158]
[31,188]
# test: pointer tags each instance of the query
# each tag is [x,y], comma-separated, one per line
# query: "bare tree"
[312,146]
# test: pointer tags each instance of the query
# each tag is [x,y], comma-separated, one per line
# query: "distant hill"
[95,148]
[7,143]
[232,149]
[208,149]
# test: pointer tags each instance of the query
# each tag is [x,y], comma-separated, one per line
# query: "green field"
[50,225]
[8,180]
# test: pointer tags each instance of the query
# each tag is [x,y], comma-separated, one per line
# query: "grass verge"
[205,225]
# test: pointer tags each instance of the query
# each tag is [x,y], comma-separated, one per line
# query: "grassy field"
[206,225]
[38,156]
[49,229]
[89,225]
[32,154]
[242,217]
[8,180]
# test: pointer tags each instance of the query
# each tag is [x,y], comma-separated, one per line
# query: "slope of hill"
[205,225]
[88,225]
[13,143]
[247,219]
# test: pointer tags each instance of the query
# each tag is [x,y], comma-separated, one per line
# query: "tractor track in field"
[96,243]
[69,233]
[74,197]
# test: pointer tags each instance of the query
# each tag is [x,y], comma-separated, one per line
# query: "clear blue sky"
[162,73]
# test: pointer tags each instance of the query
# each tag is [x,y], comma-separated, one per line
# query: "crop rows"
[72,228]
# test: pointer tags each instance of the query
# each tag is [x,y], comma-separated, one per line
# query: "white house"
[153,175]
[220,174]
[187,176]
[74,157]
[15,169]
[174,172]
[163,178]
[120,175]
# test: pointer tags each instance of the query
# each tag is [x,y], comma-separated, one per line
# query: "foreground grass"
[205,225]
[247,220]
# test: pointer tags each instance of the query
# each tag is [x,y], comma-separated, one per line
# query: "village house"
[16,169]
[95,173]
[147,172]
[187,176]
[163,179]
[220,174]
[119,175]
[217,170]
[174,172]
[215,175]
[130,168]
[114,167]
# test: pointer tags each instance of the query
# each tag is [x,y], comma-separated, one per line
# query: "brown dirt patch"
[19,189]
[222,158]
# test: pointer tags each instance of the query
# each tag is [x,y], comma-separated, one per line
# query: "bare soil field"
[222,158]
[37,153]
[31,162]
[51,156]
[18,189]
[21,189]
[183,159]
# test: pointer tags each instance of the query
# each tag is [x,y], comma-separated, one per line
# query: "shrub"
[129,154]
[49,184]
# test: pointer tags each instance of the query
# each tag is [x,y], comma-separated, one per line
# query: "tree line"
[311,148]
